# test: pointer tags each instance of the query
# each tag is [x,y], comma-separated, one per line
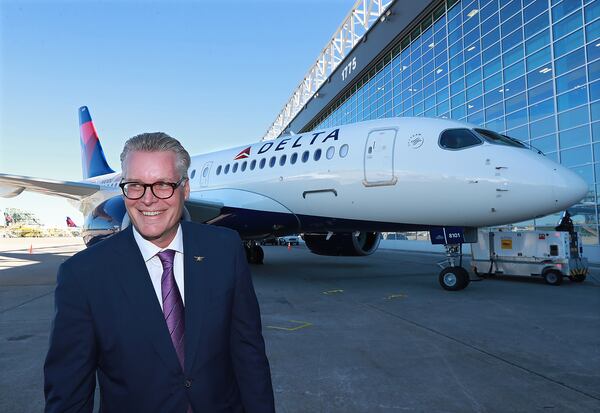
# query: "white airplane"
[340,186]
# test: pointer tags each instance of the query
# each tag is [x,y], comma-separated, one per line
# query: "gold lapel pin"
[198,259]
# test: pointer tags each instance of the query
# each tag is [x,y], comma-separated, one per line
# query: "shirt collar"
[149,250]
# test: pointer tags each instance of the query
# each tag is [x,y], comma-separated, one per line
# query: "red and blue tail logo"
[93,161]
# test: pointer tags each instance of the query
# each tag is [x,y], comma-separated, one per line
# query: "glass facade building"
[526,68]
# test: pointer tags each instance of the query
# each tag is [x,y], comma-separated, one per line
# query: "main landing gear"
[254,252]
[453,276]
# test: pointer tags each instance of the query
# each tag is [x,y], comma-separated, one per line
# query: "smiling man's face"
[155,219]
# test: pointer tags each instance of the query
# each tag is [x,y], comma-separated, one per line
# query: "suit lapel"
[136,283]
[198,267]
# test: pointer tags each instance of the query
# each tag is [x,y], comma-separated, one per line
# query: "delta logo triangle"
[243,154]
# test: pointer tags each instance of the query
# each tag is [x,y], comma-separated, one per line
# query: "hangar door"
[379,158]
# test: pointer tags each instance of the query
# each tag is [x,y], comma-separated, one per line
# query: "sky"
[212,74]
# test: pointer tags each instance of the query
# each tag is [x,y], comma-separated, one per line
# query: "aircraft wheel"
[454,278]
[553,277]
[256,255]
[578,278]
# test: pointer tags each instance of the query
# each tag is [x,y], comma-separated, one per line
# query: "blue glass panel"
[511,24]
[476,118]
[457,100]
[442,94]
[455,12]
[492,97]
[429,102]
[563,8]
[540,93]
[474,91]
[534,8]
[592,11]
[456,61]
[593,49]
[492,67]
[457,87]
[492,82]
[473,78]
[546,144]
[514,87]
[442,108]
[539,58]
[516,118]
[539,75]
[496,125]
[494,111]
[572,99]
[510,9]
[569,62]
[473,63]
[573,117]
[537,24]
[539,40]
[474,105]
[594,70]
[567,25]
[457,73]
[439,24]
[571,80]
[488,10]
[459,112]
[594,90]
[442,82]
[489,24]
[576,156]
[491,52]
[456,48]
[472,37]
[514,71]
[512,39]
[543,127]
[454,36]
[541,110]
[516,102]
[520,133]
[454,23]
[469,22]
[568,43]
[574,137]
[512,56]
[596,132]
[595,109]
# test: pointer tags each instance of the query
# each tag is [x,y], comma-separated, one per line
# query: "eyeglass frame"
[173,185]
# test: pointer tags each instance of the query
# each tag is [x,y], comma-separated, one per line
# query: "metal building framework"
[357,22]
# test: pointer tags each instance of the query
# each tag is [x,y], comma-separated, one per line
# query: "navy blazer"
[108,321]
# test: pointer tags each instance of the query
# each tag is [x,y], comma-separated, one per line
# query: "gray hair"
[157,142]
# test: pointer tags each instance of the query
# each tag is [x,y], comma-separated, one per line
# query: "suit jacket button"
[188,383]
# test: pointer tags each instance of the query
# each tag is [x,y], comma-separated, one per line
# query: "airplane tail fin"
[93,161]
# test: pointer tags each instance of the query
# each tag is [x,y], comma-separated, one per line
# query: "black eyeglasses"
[161,190]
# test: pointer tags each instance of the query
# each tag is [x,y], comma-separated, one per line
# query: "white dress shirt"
[154,265]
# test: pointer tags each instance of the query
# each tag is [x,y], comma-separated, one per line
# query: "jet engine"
[348,244]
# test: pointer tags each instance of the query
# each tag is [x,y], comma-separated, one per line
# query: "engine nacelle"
[346,244]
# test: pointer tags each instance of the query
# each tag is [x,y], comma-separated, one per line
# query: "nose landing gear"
[453,277]
[254,252]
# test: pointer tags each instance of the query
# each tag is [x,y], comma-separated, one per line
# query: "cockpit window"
[498,139]
[458,139]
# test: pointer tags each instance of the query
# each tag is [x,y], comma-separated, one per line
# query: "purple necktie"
[172,303]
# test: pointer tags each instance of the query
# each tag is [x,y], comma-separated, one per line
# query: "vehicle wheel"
[257,255]
[454,278]
[578,278]
[553,277]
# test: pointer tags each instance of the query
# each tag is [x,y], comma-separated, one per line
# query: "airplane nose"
[568,187]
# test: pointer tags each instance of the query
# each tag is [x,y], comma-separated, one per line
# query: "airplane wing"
[13,185]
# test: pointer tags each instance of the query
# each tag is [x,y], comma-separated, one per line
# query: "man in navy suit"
[163,312]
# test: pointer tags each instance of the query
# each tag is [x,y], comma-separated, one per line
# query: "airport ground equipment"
[548,254]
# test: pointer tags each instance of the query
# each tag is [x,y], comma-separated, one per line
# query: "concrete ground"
[370,334]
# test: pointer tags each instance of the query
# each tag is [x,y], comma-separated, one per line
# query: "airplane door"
[379,158]
[205,174]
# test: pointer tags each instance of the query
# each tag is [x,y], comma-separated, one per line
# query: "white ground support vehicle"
[549,254]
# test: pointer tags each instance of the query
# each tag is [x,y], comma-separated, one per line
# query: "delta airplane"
[340,186]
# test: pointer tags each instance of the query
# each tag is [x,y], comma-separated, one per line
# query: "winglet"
[93,161]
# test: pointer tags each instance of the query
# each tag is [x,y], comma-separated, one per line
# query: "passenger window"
[330,152]
[293,158]
[272,162]
[204,173]
[244,165]
[282,160]
[219,170]
[344,150]
[305,156]
[226,171]
[458,139]
[317,155]
[253,164]
[262,163]
[234,170]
